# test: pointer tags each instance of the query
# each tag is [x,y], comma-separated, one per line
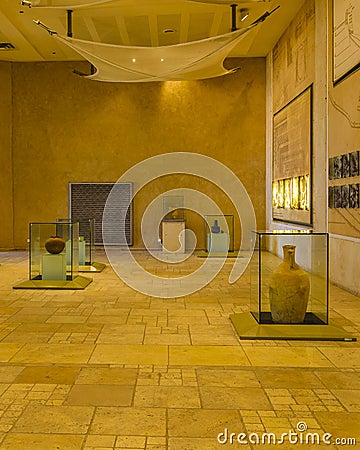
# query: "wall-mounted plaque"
[337,196]
[345,169]
[354,196]
[292,150]
[345,196]
[354,164]
[337,166]
[346,32]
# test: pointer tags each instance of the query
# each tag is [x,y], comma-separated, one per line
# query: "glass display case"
[289,278]
[54,257]
[173,207]
[219,233]
[86,245]
[47,260]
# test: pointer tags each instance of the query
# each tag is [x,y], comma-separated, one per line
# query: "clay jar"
[55,244]
[215,228]
[289,290]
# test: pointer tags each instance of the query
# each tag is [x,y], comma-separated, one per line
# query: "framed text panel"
[346,38]
[292,156]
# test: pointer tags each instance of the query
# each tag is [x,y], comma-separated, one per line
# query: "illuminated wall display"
[292,150]
[292,193]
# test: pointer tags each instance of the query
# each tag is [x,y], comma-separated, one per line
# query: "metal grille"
[87,201]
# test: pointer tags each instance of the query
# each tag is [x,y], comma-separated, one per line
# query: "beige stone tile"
[131,442]
[340,424]
[9,373]
[195,444]
[276,356]
[8,350]
[30,441]
[129,421]
[167,396]
[109,319]
[110,328]
[167,339]
[126,338]
[350,398]
[335,379]
[54,353]
[288,378]
[96,440]
[227,378]
[54,419]
[129,354]
[204,423]
[107,375]
[343,357]
[100,395]
[28,337]
[77,327]
[234,398]
[208,356]
[48,375]
[57,318]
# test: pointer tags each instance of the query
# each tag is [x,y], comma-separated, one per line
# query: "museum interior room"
[180,224]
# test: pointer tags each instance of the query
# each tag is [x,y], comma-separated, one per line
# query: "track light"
[244,13]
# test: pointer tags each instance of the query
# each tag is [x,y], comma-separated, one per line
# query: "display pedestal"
[217,242]
[82,258]
[248,328]
[79,282]
[173,236]
[54,266]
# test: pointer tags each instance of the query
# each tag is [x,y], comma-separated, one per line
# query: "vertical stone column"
[320,118]
[6,160]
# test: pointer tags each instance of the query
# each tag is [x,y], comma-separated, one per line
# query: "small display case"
[54,256]
[219,233]
[86,245]
[173,207]
[289,278]
[47,263]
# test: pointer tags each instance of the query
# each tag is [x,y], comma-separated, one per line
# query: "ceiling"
[136,23]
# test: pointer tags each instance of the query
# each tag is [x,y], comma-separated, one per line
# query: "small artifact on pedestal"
[55,245]
[215,228]
[289,289]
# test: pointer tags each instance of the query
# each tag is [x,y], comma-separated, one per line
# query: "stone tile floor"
[110,368]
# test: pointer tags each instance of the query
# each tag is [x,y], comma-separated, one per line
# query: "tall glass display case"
[173,207]
[219,233]
[289,278]
[54,256]
[86,245]
[46,262]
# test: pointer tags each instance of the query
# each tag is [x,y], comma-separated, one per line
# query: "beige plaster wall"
[344,136]
[68,129]
[6,178]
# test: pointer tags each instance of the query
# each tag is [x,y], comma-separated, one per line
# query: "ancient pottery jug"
[215,228]
[55,244]
[288,290]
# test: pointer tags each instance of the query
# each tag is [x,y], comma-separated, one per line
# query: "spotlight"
[244,13]
[25,3]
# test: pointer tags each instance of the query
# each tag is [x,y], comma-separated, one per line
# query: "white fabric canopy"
[181,62]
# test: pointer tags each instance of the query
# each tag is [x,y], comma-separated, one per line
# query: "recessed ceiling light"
[133,60]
